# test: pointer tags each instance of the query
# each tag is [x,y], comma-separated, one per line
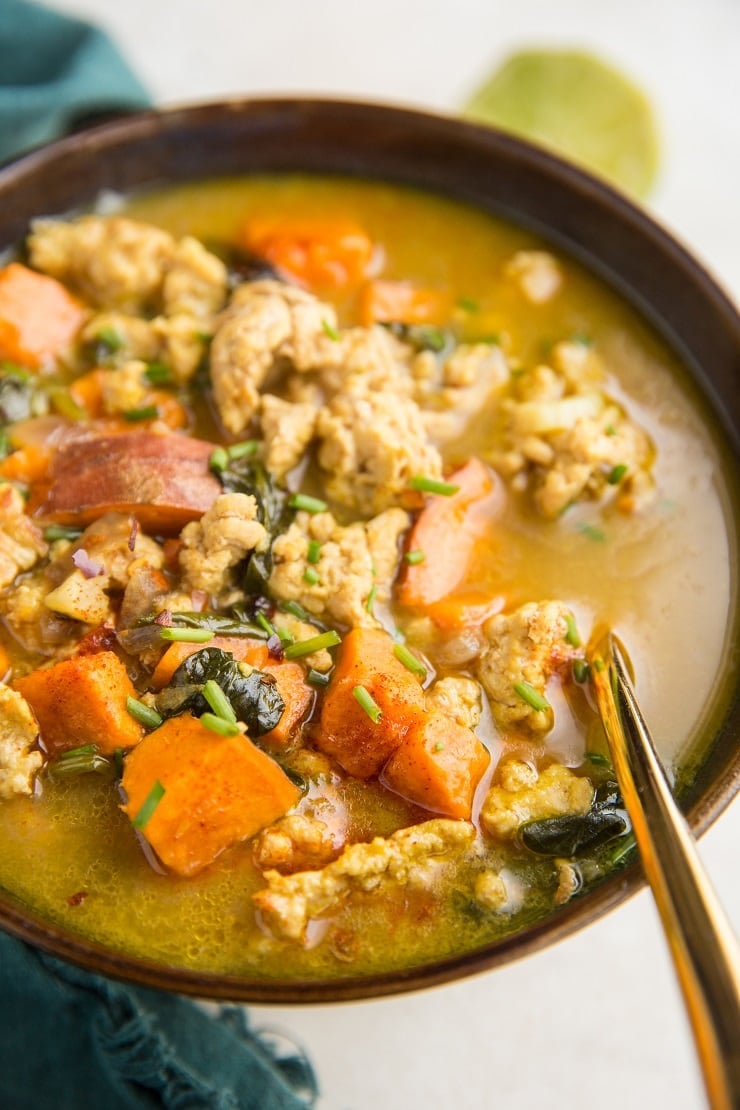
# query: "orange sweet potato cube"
[438,766]
[82,701]
[218,791]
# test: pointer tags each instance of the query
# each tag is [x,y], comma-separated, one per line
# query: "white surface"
[596,1021]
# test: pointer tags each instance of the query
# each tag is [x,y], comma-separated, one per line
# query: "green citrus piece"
[577,106]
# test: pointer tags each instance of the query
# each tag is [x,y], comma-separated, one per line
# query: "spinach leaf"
[254,698]
[423,337]
[221,624]
[576,835]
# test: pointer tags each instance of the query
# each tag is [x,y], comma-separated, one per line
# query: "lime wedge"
[577,106]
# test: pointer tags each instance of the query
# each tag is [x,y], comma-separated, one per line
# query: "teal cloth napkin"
[71,1040]
[56,72]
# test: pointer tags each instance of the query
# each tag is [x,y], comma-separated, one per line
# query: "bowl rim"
[29,925]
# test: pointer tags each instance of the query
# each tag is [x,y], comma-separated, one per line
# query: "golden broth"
[663,579]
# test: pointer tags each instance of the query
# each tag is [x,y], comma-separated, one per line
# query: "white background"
[597,1021]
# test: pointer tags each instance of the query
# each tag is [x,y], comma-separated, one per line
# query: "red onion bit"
[89,567]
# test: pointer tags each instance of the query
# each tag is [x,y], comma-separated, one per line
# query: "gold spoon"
[705,952]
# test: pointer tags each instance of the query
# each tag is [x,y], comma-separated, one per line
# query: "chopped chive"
[468,304]
[439,746]
[616,474]
[5,444]
[532,697]
[118,762]
[144,714]
[296,610]
[219,460]
[146,412]
[218,701]
[610,430]
[409,661]
[110,338]
[263,622]
[60,532]
[314,551]
[371,599]
[242,450]
[312,644]
[186,635]
[592,532]
[599,664]
[308,504]
[219,725]
[330,330]
[150,803]
[84,749]
[284,636]
[571,635]
[316,678]
[431,485]
[598,759]
[311,576]
[414,557]
[582,338]
[65,404]
[158,374]
[581,670]
[365,701]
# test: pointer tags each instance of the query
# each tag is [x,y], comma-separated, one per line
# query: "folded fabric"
[71,1040]
[56,72]
[76,1041]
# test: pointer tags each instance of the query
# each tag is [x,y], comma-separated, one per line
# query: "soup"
[314,491]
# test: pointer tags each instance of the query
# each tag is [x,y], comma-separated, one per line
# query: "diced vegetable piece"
[346,732]
[298,697]
[391,301]
[164,480]
[438,766]
[446,530]
[38,317]
[83,701]
[464,609]
[218,791]
[321,253]
[28,465]
[243,650]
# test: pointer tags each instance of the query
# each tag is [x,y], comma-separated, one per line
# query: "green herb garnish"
[432,485]
[409,661]
[313,643]
[142,713]
[592,532]
[219,460]
[150,803]
[296,610]
[571,636]
[311,576]
[108,337]
[316,678]
[616,474]
[330,330]
[218,701]
[366,702]
[187,635]
[468,304]
[581,670]
[158,374]
[414,557]
[219,725]
[371,599]
[308,504]
[242,450]
[263,622]
[532,697]
[60,532]
[598,759]
[314,551]
[146,412]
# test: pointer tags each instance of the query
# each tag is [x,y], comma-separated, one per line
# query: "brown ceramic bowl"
[581,216]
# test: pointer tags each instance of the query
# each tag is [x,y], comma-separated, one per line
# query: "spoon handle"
[705,952]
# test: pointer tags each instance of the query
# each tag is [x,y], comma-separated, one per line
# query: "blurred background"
[597,1020]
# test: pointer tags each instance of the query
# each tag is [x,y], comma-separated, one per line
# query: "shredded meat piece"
[266,327]
[405,857]
[21,542]
[345,566]
[296,843]
[522,795]
[18,734]
[527,646]
[490,891]
[287,430]
[371,445]
[456,697]
[214,545]
[195,282]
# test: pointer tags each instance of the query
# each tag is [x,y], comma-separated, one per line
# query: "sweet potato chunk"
[218,790]
[298,697]
[347,733]
[163,480]
[438,766]
[38,317]
[82,701]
